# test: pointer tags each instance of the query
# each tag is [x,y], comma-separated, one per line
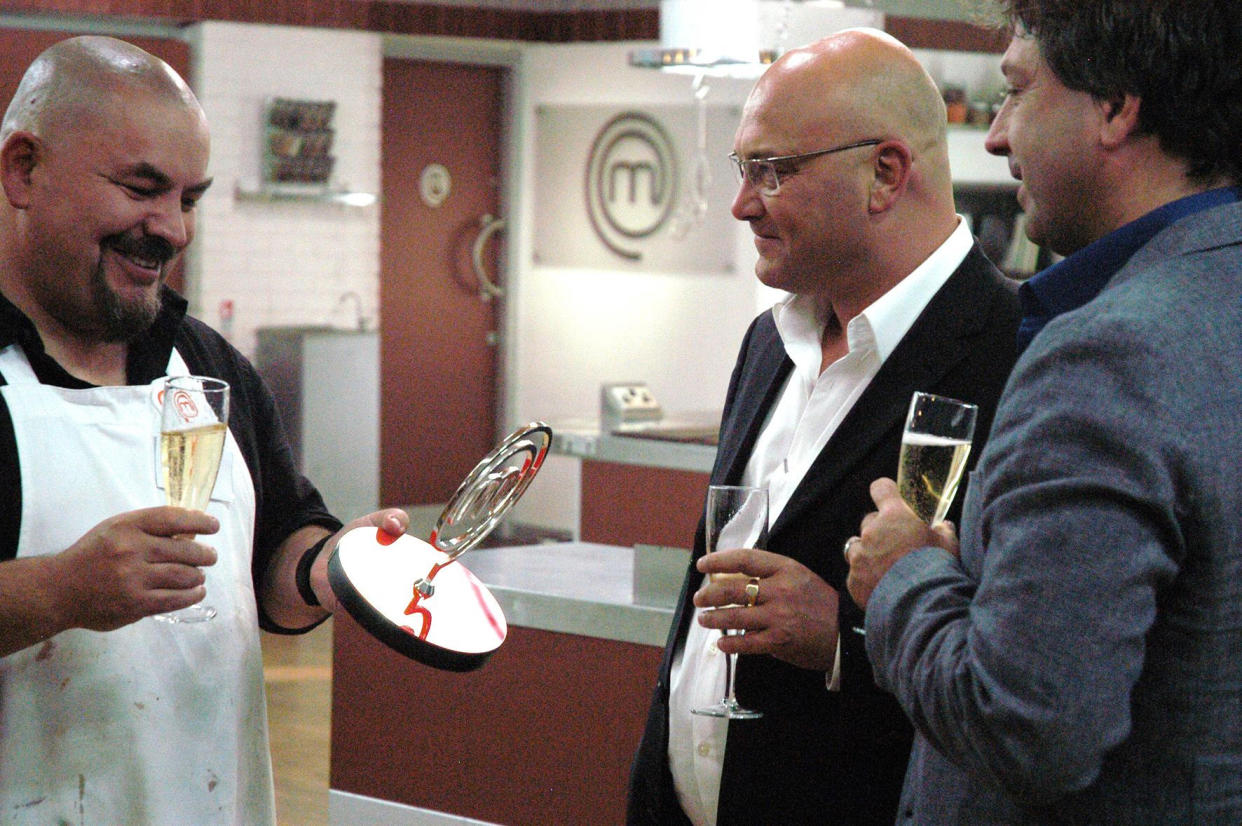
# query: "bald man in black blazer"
[830,747]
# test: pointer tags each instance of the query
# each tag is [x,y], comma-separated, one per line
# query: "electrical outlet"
[623,403]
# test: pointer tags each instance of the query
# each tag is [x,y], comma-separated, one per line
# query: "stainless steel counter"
[585,588]
[642,445]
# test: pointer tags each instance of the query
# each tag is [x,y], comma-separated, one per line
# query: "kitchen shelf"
[269,193]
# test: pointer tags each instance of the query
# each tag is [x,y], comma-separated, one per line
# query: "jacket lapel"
[755,396]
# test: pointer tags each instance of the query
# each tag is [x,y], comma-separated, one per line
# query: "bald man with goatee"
[844,180]
[108,713]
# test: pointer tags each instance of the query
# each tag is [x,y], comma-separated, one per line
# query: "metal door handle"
[488,288]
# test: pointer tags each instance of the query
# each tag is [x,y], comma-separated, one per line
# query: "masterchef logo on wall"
[612,184]
[631,182]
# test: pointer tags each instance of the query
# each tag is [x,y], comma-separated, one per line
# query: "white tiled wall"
[282,262]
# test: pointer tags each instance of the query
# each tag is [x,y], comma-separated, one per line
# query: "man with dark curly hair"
[1078,657]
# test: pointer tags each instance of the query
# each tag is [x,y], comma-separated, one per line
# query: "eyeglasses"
[765,174]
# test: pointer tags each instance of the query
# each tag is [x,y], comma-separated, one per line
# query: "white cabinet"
[971,164]
[326,384]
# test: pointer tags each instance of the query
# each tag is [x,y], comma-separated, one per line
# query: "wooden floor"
[298,673]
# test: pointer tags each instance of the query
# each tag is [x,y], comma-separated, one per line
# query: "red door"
[438,371]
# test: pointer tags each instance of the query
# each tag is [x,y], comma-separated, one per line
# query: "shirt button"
[704,750]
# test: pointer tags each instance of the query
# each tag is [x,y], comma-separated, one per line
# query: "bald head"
[76,80]
[856,84]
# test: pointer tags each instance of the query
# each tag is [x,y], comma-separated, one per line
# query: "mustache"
[145,247]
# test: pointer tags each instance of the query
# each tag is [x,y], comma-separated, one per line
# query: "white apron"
[154,723]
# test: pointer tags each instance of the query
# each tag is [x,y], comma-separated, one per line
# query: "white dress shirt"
[810,408]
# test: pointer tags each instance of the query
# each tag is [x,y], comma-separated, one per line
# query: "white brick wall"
[283,262]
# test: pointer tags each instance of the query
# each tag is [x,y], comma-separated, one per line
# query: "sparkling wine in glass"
[737,517]
[934,448]
[193,428]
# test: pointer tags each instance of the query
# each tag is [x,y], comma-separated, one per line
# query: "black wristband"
[302,575]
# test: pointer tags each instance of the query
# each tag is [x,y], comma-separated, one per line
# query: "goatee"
[123,320]
[120,320]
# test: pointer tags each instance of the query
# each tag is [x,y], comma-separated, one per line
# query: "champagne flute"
[737,517]
[934,447]
[194,417]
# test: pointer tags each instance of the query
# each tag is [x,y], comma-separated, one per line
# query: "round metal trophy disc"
[373,575]
[410,594]
[491,489]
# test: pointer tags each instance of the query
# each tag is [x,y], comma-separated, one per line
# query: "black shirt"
[284,499]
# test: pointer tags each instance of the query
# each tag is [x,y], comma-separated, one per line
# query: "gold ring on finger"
[752,592]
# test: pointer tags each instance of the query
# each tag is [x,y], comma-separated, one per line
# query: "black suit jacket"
[818,756]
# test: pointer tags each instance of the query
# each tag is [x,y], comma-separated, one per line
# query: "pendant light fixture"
[724,38]
[741,38]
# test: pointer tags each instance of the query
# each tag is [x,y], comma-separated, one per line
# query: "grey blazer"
[1082,662]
